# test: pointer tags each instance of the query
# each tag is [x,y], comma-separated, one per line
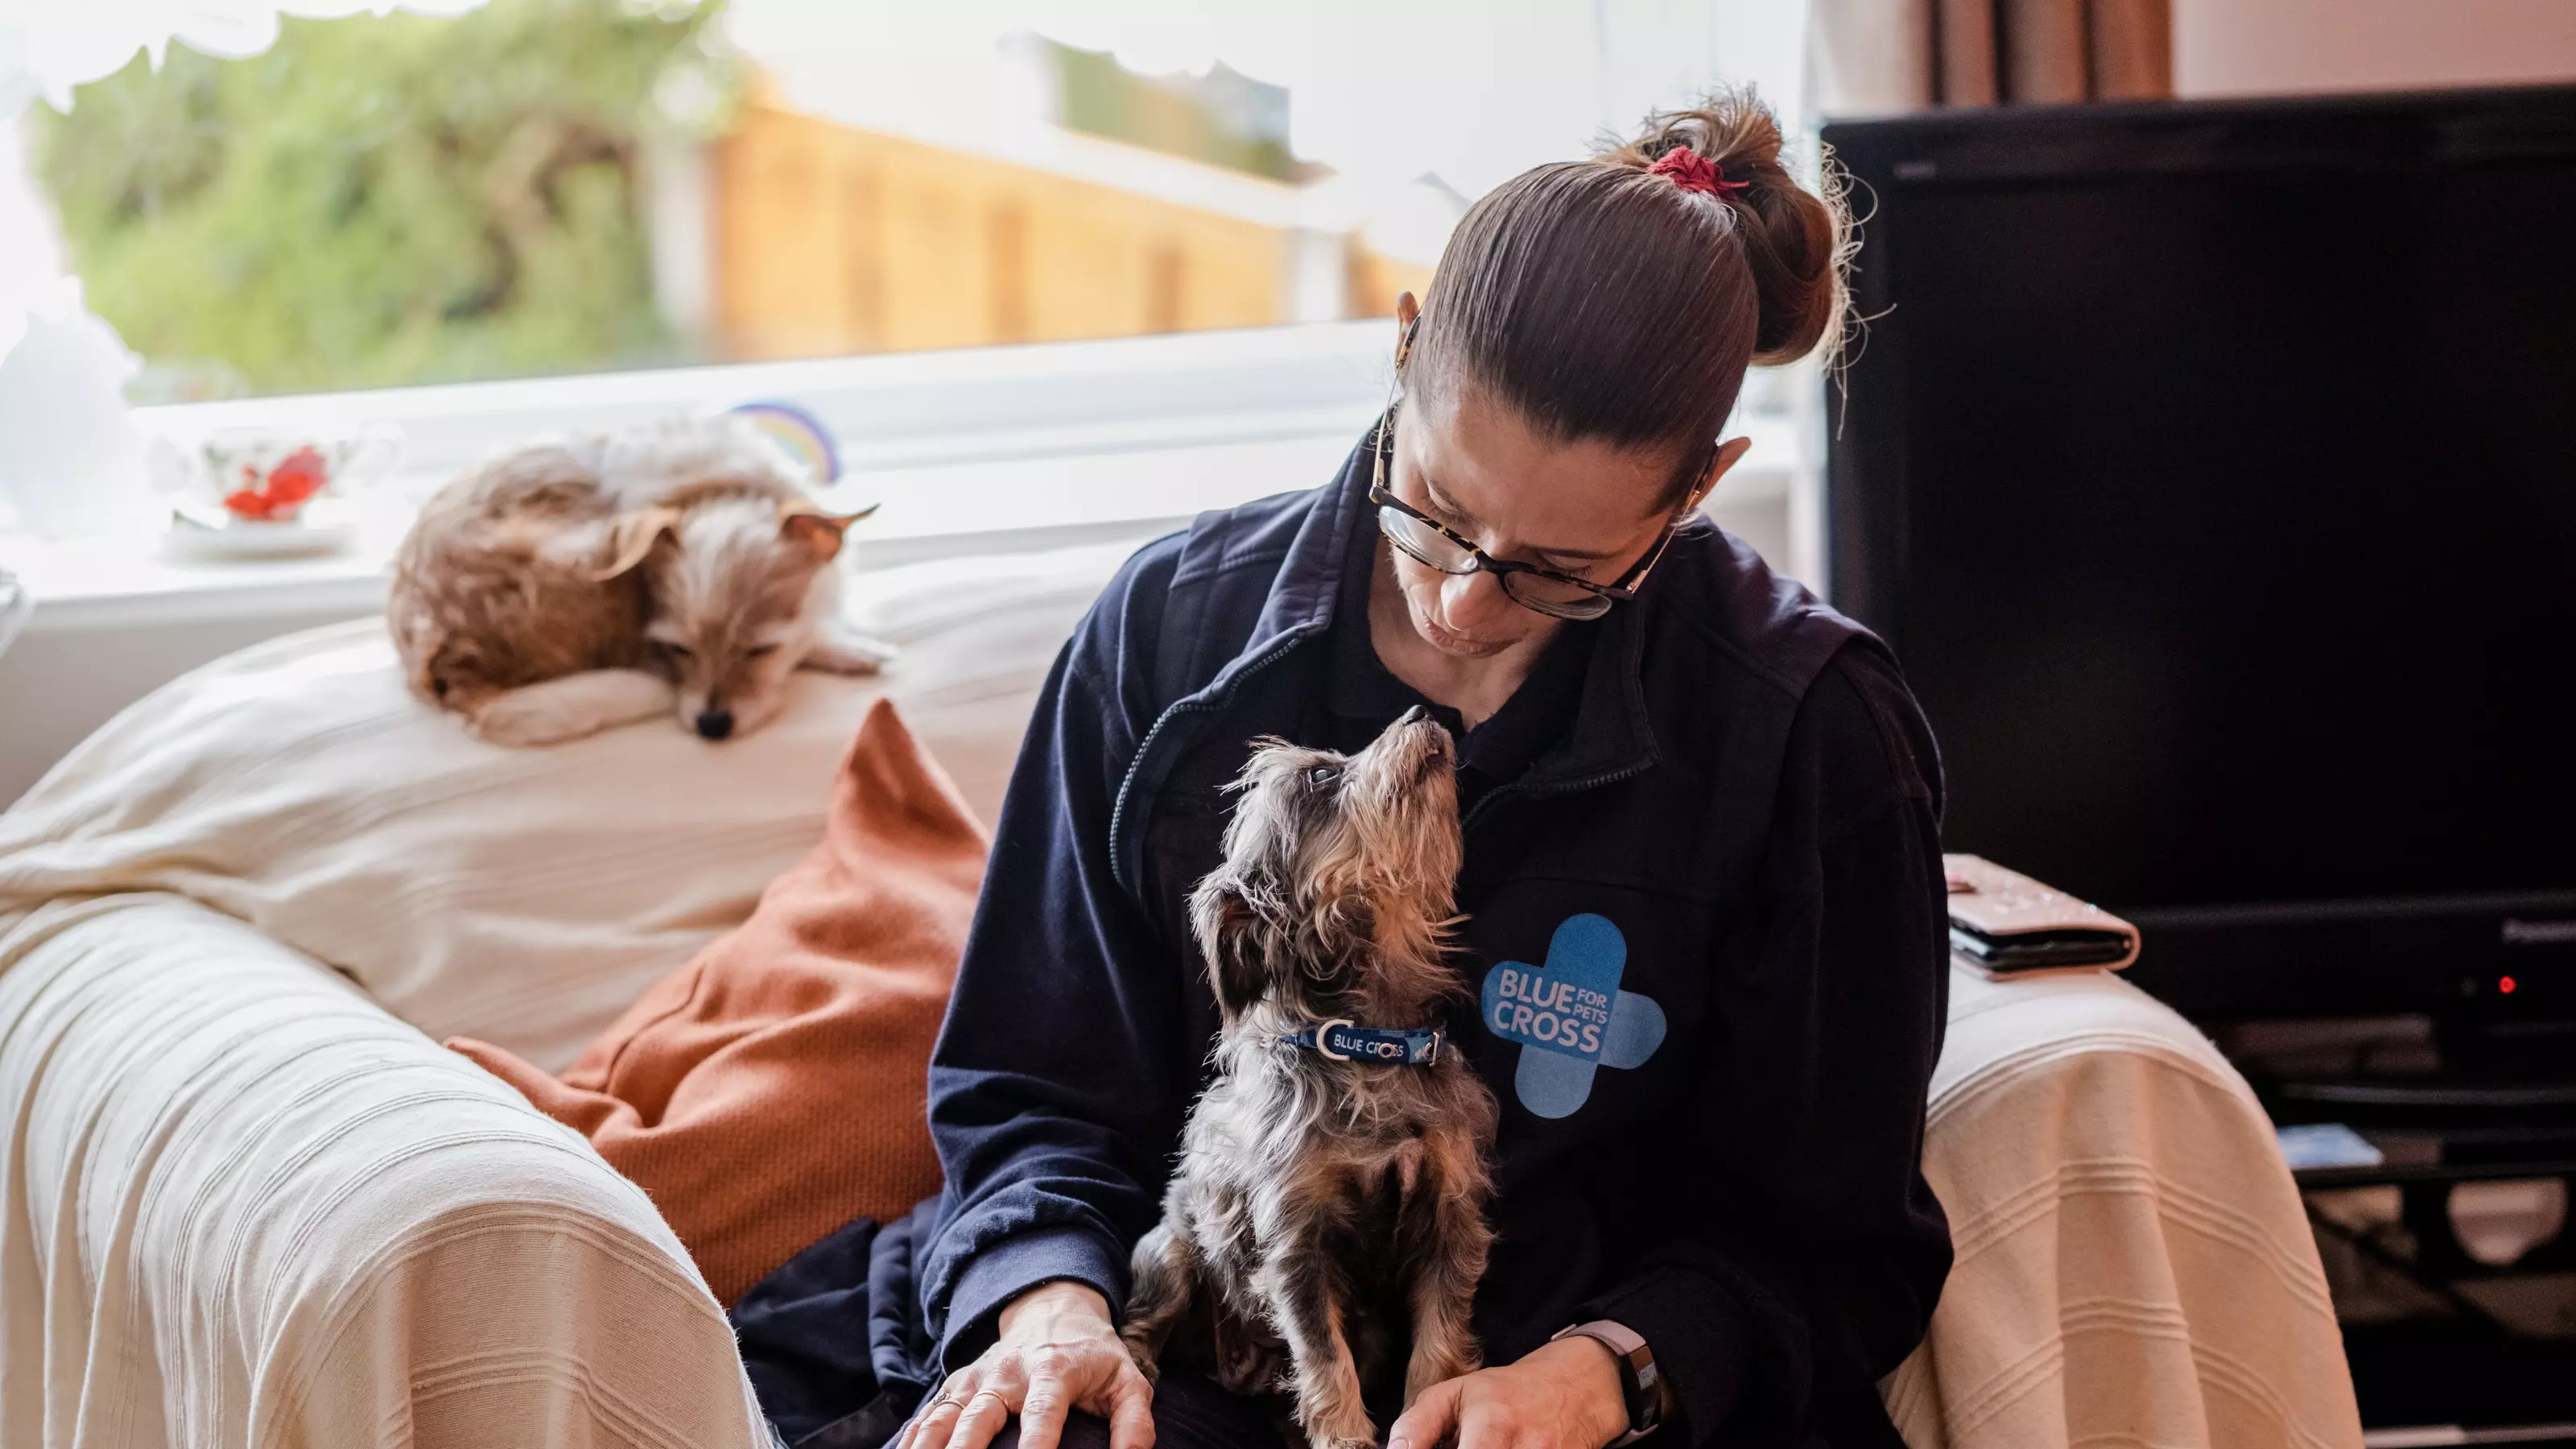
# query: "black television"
[2212,469]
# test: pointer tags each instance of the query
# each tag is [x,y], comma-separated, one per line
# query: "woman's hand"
[1566,1395]
[1057,1351]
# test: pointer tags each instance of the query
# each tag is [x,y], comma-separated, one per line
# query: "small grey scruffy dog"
[1325,1226]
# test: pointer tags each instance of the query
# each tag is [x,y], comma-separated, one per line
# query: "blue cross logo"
[1570,1016]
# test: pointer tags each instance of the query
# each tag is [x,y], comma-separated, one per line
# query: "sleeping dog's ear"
[1234,938]
[631,537]
[808,524]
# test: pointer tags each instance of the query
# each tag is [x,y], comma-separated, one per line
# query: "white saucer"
[241,538]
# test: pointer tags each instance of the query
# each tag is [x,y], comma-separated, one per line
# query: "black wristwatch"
[1638,1380]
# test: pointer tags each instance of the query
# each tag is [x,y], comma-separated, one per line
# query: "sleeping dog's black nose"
[1415,715]
[715,724]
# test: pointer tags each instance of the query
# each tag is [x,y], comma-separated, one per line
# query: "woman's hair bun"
[1613,298]
[1792,236]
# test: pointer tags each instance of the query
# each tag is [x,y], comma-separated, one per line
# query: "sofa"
[250,1201]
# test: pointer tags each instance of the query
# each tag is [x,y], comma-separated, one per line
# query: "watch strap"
[1639,1380]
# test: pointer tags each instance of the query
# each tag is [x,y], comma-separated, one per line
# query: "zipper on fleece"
[1196,704]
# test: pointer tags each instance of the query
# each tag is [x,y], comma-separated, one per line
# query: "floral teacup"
[270,475]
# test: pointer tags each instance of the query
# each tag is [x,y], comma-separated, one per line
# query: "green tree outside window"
[386,200]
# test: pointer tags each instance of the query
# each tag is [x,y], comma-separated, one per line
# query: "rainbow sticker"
[799,432]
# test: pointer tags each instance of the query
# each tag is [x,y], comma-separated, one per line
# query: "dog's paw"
[1344,1430]
[569,708]
[848,654]
[505,722]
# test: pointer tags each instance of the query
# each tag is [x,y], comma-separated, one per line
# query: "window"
[504,218]
[528,187]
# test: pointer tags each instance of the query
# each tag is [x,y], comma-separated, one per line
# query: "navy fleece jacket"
[1706,931]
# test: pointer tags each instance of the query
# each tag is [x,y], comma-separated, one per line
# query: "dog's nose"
[1415,715]
[715,724]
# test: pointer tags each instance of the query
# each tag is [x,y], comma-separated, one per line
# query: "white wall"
[2276,47]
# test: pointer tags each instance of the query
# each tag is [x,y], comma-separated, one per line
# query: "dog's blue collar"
[1338,1040]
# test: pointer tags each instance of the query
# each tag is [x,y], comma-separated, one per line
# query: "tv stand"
[2453,1314]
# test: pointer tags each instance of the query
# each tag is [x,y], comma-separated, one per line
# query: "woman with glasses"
[1686,787]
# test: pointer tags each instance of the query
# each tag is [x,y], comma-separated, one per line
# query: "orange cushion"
[774,1088]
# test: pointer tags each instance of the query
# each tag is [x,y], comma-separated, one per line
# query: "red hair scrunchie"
[1691,171]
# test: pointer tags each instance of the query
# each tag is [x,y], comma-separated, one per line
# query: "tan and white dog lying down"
[567,587]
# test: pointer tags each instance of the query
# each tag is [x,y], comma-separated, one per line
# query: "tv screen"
[2211,468]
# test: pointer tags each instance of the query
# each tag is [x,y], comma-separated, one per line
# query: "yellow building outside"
[829,239]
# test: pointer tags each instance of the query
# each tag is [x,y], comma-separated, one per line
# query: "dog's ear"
[631,537]
[1230,933]
[803,522]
